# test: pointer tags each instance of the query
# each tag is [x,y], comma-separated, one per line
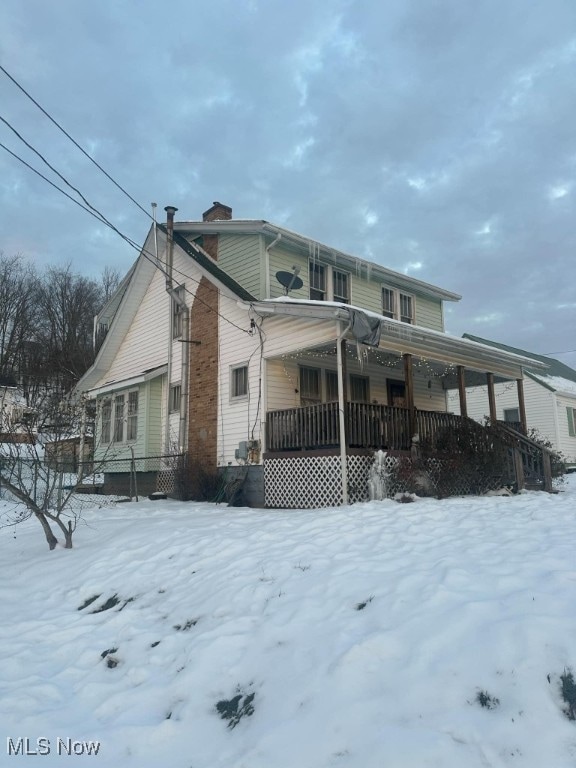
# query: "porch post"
[340,355]
[409,385]
[462,390]
[491,397]
[522,405]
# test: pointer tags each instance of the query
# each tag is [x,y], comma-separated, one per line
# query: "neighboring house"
[253,349]
[15,416]
[549,396]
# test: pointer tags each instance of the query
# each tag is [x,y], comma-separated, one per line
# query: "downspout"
[185,340]
[169,345]
[267,263]
[341,412]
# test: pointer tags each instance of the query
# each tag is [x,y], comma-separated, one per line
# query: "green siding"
[149,434]
[239,256]
[154,417]
[429,313]
[282,260]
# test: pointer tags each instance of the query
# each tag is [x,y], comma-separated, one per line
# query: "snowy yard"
[368,637]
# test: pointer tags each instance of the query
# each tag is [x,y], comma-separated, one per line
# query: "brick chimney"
[217,212]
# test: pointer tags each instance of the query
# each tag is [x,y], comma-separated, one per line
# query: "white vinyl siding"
[545,410]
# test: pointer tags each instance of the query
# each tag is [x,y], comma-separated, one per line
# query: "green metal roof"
[555,367]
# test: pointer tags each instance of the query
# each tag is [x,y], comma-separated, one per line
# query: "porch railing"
[367,426]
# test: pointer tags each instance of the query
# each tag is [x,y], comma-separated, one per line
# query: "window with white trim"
[239,382]
[397,305]
[571,414]
[174,399]
[119,418]
[328,283]
[512,415]
[106,420]
[340,286]
[317,281]
[132,417]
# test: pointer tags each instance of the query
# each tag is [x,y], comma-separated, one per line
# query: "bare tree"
[109,282]
[18,303]
[35,476]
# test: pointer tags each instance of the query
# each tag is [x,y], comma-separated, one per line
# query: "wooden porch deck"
[368,426]
[372,427]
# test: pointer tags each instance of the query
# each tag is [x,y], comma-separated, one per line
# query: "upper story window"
[328,283]
[397,305]
[178,314]
[341,286]
[317,282]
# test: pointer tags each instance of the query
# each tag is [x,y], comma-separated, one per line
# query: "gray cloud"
[434,136]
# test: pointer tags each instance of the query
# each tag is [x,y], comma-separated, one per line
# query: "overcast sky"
[435,137]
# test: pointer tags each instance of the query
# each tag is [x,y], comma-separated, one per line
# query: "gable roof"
[558,378]
[309,245]
[123,305]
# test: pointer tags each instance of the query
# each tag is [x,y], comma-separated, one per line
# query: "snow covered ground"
[366,637]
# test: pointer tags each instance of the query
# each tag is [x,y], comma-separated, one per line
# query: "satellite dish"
[289,280]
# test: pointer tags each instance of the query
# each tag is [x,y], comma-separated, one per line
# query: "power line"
[566,352]
[65,132]
[103,220]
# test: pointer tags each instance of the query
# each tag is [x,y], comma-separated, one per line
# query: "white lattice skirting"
[307,482]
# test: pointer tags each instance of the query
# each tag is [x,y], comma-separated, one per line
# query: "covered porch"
[353,394]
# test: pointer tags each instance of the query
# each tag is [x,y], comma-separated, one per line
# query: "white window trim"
[239,398]
[329,270]
[173,400]
[112,398]
[397,292]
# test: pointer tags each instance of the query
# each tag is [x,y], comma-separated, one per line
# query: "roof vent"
[217,212]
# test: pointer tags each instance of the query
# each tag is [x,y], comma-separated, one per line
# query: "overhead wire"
[99,216]
[76,144]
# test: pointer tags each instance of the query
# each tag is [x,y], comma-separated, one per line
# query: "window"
[397,305]
[331,386]
[175,394]
[571,413]
[178,314]
[132,417]
[310,386]
[317,282]
[106,419]
[239,381]
[512,414]
[119,418]
[406,308]
[359,389]
[341,286]
[388,303]
[329,284]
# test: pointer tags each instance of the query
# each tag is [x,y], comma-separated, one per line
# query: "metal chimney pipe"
[170,211]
